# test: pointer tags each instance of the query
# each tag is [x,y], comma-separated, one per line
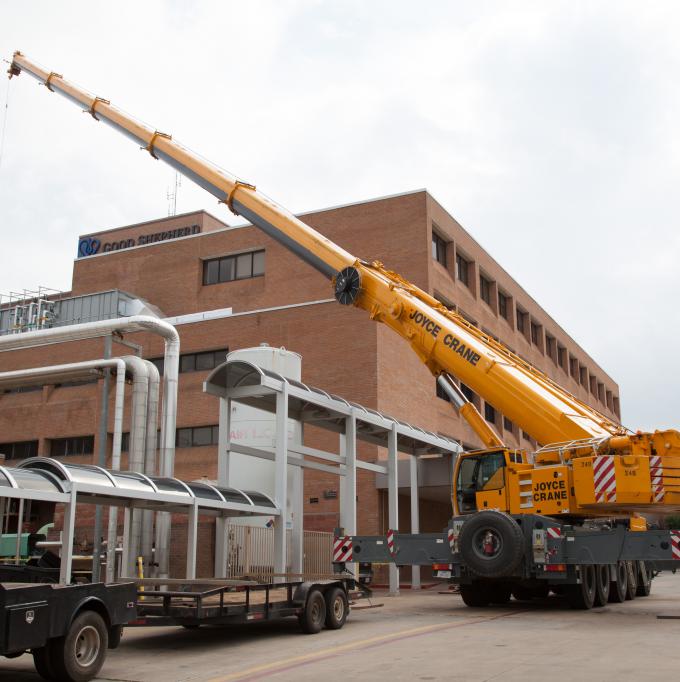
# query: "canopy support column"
[280,480]
[415,517]
[393,502]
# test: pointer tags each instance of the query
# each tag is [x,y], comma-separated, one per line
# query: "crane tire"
[631,591]
[491,544]
[582,595]
[602,585]
[619,587]
[475,595]
[644,586]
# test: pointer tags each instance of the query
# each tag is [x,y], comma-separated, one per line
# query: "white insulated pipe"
[150,454]
[135,323]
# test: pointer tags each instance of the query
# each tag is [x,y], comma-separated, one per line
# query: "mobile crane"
[566,517]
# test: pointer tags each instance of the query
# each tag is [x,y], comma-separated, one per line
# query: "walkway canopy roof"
[43,478]
[251,385]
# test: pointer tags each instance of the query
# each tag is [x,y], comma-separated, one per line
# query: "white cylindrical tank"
[257,428]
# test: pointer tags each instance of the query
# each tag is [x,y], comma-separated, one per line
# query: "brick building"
[253,291]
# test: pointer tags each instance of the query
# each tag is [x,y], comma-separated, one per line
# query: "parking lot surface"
[416,636]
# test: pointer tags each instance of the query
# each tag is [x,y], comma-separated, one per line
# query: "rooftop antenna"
[172,195]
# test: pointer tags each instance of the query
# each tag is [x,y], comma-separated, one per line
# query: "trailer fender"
[303,589]
[91,604]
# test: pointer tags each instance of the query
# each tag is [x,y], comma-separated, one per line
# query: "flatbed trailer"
[317,602]
[492,555]
[67,628]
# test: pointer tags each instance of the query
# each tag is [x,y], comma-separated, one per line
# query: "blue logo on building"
[88,246]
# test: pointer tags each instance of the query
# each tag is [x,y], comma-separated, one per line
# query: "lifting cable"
[4,122]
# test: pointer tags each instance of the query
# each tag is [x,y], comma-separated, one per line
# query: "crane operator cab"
[480,480]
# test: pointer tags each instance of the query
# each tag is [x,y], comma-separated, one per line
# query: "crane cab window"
[485,472]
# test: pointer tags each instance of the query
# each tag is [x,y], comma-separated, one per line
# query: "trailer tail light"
[442,570]
[556,568]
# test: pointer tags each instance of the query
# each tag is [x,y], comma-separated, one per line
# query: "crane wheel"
[602,585]
[619,587]
[631,591]
[644,586]
[475,594]
[491,544]
[582,596]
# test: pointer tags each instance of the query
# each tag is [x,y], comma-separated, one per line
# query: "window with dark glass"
[508,425]
[441,393]
[196,362]
[503,305]
[522,320]
[485,289]
[536,334]
[230,268]
[562,356]
[489,413]
[77,445]
[438,248]
[462,269]
[19,450]
[197,436]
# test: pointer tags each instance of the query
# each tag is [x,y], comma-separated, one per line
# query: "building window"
[573,367]
[593,385]
[463,270]
[508,425]
[526,436]
[438,249]
[20,450]
[489,413]
[537,334]
[522,321]
[551,347]
[583,376]
[441,393]
[230,268]
[485,289]
[78,445]
[503,307]
[562,357]
[195,362]
[600,392]
[608,398]
[197,436]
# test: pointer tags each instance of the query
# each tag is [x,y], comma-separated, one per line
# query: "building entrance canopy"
[238,381]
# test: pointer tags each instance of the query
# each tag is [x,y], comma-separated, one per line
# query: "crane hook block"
[347,285]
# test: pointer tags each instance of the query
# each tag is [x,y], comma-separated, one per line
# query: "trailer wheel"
[631,591]
[582,596]
[644,586]
[79,656]
[475,595]
[491,544]
[602,585]
[42,662]
[618,589]
[314,615]
[337,608]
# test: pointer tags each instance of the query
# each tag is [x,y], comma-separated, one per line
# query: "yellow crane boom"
[446,343]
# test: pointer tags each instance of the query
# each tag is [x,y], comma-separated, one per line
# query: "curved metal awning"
[249,384]
[97,485]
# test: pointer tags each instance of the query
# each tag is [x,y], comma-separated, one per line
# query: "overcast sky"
[550,130]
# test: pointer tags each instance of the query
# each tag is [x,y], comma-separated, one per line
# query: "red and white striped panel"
[452,538]
[554,532]
[656,472]
[675,544]
[604,477]
[342,549]
[390,543]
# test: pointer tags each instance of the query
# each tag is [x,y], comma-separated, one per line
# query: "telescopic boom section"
[444,341]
